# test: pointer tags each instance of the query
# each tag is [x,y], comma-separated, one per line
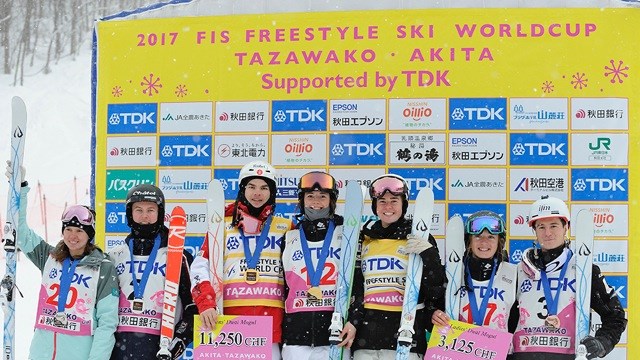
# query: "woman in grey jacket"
[77,311]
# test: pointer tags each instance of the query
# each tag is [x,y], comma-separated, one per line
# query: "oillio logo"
[298,148]
[602,219]
[416,112]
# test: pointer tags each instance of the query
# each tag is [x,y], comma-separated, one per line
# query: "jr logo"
[601,142]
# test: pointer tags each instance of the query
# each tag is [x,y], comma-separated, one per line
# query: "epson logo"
[132,118]
[599,185]
[301,115]
[357,149]
[539,149]
[464,141]
[344,107]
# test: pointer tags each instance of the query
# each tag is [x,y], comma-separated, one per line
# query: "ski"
[175,247]
[8,283]
[353,207]
[454,252]
[422,216]
[584,266]
[215,237]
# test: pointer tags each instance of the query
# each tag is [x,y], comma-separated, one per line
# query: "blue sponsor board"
[116,218]
[357,149]
[192,244]
[517,249]
[299,115]
[620,284]
[287,210]
[478,114]
[539,149]
[467,209]
[599,184]
[132,118]
[229,180]
[185,150]
[418,178]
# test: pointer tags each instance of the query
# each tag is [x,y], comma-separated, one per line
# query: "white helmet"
[548,207]
[258,169]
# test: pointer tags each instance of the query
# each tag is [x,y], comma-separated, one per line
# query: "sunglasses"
[317,180]
[477,225]
[83,214]
[391,184]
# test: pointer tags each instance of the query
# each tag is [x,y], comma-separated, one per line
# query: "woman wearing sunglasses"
[310,259]
[252,250]
[489,292]
[380,276]
[77,311]
[547,311]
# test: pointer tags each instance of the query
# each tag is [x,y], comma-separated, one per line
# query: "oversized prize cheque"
[234,337]
[462,341]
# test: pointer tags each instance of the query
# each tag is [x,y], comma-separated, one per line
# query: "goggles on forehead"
[478,224]
[391,184]
[317,180]
[83,214]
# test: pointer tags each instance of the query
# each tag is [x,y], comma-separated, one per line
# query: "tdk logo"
[600,184]
[185,151]
[229,180]
[384,263]
[530,149]
[116,218]
[360,149]
[477,114]
[299,115]
[417,179]
[131,118]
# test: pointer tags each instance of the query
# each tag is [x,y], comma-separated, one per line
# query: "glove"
[416,245]
[9,172]
[177,347]
[182,337]
[595,348]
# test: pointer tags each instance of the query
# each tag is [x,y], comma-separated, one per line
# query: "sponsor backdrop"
[490,113]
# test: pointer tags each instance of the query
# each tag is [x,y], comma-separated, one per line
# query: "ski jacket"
[381,266]
[303,324]
[138,334]
[532,339]
[501,295]
[241,298]
[97,286]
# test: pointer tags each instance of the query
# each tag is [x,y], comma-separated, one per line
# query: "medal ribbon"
[68,269]
[552,300]
[140,285]
[478,313]
[315,272]
[252,259]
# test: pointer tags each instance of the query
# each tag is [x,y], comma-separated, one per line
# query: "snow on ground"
[57,150]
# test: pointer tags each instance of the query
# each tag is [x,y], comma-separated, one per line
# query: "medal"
[251,276]
[314,293]
[137,305]
[60,320]
[552,322]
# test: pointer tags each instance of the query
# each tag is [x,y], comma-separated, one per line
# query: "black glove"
[183,336]
[176,348]
[595,348]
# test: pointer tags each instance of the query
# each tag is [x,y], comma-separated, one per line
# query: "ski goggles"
[317,180]
[82,213]
[391,184]
[478,224]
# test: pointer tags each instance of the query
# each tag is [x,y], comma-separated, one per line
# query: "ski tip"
[17,102]
[178,211]
[584,217]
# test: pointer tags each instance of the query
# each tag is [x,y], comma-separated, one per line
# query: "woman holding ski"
[381,275]
[311,259]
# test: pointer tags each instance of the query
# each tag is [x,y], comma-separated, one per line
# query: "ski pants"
[381,355]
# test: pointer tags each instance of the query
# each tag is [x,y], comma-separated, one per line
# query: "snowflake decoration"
[150,85]
[617,72]
[547,87]
[579,81]
[181,90]
[116,91]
